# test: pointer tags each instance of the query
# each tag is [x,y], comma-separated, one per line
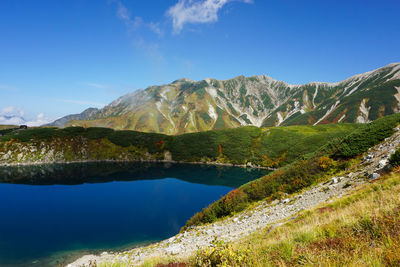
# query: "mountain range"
[190,106]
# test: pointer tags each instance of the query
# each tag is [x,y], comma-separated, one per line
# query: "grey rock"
[374,176]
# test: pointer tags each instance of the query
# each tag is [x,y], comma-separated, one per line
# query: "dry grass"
[360,230]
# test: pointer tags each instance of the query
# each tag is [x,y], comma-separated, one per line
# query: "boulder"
[382,163]
[374,176]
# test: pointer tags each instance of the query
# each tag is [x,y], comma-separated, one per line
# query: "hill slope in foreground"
[345,219]
[188,106]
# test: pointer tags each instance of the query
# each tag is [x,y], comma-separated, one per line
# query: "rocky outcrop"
[73,149]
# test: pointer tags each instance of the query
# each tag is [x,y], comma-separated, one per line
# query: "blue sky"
[61,57]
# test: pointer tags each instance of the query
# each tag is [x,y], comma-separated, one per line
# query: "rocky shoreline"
[264,214]
[137,161]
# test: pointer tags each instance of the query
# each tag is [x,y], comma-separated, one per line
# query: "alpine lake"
[53,214]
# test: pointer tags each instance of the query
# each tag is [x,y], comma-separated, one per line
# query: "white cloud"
[196,11]
[12,111]
[14,116]
[40,120]
[10,120]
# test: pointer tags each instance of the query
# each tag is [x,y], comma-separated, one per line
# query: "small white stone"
[285,201]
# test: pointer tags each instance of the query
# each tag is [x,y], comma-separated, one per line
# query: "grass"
[361,229]
[3,127]
[331,158]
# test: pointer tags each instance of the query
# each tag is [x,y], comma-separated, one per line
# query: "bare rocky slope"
[188,106]
[264,214]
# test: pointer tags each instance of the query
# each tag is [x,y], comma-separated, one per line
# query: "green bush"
[362,139]
[98,132]
[220,254]
[395,159]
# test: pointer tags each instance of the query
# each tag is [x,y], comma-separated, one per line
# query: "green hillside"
[331,158]
[269,147]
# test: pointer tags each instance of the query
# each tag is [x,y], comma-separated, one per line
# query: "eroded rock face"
[167,156]
[188,106]
[76,149]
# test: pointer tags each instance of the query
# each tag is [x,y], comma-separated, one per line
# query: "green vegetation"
[360,230]
[330,159]
[361,139]
[395,159]
[273,147]
[6,130]
[119,138]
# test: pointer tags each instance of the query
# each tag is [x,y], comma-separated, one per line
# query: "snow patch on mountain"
[395,72]
[212,112]
[332,108]
[280,118]
[341,118]
[397,96]
[314,96]
[364,112]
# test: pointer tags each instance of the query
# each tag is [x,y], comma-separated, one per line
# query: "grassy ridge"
[271,147]
[330,159]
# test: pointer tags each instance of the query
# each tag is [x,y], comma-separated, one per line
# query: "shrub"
[395,159]
[362,139]
[220,254]
[98,132]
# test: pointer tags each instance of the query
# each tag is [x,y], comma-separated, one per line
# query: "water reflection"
[100,172]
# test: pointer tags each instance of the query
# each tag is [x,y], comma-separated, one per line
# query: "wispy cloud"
[196,11]
[98,85]
[136,22]
[81,102]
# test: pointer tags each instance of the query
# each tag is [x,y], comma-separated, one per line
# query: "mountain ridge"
[191,106]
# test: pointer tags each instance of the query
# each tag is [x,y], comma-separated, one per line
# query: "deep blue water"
[101,206]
